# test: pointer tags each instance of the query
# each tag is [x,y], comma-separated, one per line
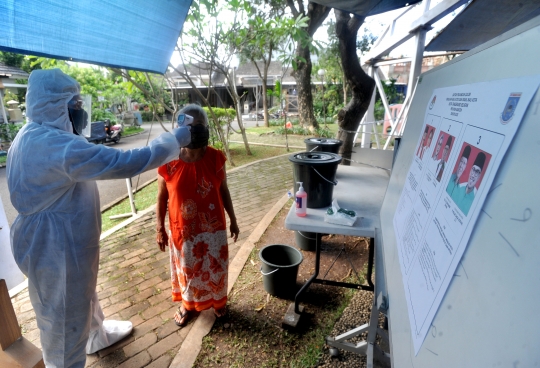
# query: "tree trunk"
[242,130]
[231,89]
[302,75]
[361,84]
[344,90]
[265,102]
[317,14]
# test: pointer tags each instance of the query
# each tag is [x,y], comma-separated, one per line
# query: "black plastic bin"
[323,145]
[306,240]
[279,269]
[317,172]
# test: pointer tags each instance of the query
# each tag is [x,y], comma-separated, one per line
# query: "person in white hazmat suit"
[51,175]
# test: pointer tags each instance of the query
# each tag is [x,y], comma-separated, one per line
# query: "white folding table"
[361,189]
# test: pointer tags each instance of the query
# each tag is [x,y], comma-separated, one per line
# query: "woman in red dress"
[194,189]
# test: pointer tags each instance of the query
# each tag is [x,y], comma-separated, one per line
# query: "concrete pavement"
[134,277]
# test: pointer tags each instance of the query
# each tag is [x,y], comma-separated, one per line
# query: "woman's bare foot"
[220,312]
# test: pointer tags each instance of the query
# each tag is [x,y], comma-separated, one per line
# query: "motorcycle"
[102,132]
[113,132]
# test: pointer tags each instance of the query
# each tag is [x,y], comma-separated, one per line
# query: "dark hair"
[480,160]
[194,108]
[449,141]
[466,152]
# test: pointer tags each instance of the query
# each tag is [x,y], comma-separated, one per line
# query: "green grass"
[297,129]
[132,130]
[260,130]
[146,196]
[240,158]
[3,160]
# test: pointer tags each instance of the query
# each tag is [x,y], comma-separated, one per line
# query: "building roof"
[198,71]
[12,72]
[246,74]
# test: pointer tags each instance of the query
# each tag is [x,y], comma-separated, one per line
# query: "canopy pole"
[131,202]
[4,115]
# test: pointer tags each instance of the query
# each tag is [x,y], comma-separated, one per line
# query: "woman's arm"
[227,204]
[161,210]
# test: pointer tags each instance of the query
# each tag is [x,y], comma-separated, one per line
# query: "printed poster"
[467,130]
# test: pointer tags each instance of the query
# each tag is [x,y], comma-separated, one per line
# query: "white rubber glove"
[183,135]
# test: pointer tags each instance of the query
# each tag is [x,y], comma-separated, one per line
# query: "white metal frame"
[386,43]
[369,347]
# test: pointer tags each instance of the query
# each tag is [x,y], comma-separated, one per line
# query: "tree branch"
[294,11]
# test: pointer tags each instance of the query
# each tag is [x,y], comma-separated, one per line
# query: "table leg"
[370,262]
[312,278]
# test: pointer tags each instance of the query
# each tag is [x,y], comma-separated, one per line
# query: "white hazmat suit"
[51,176]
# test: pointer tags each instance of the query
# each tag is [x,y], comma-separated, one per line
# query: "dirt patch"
[251,335]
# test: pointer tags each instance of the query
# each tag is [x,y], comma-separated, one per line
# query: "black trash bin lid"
[324,141]
[315,158]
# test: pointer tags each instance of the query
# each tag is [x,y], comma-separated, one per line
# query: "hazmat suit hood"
[49,92]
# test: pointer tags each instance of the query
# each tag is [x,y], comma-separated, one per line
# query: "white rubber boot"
[110,333]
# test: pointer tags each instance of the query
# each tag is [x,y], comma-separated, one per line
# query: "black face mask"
[199,136]
[79,120]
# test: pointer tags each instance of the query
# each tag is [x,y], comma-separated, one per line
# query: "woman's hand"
[162,239]
[234,230]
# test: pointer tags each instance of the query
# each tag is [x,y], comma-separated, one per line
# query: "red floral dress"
[198,238]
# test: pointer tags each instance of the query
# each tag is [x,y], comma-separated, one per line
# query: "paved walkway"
[133,280]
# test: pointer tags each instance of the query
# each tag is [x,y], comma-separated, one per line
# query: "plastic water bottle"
[301,201]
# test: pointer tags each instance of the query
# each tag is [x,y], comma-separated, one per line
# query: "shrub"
[298,130]
[9,131]
[224,116]
[147,115]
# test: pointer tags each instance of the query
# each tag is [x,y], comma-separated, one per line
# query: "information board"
[467,130]
[488,314]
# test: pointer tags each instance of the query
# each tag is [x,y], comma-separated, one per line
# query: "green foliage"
[330,60]
[147,115]
[379,109]
[37,62]
[8,97]
[300,130]
[329,103]
[11,58]
[91,80]
[365,43]
[390,90]
[269,35]
[223,116]
[100,115]
[9,131]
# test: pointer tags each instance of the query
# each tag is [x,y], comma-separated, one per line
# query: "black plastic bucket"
[317,172]
[323,145]
[279,269]
[306,240]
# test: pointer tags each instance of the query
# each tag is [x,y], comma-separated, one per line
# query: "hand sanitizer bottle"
[301,201]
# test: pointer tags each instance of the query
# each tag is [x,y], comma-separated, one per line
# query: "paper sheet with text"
[467,130]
